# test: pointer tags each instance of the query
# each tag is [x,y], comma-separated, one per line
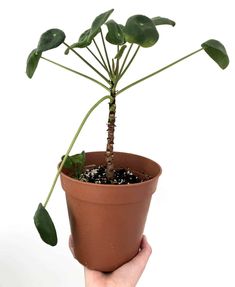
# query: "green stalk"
[72,144]
[133,57]
[76,72]
[124,62]
[101,56]
[117,63]
[85,61]
[106,52]
[158,71]
[98,60]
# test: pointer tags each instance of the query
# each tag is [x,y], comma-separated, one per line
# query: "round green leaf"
[83,41]
[45,225]
[98,22]
[115,34]
[217,52]
[32,62]
[50,40]
[141,30]
[162,21]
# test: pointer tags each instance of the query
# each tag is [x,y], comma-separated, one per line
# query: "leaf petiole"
[157,72]
[76,72]
[85,61]
[106,52]
[72,144]
[128,65]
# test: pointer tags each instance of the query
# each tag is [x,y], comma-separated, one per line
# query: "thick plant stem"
[72,144]
[110,139]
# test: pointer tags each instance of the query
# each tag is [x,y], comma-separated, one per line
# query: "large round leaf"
[115,34]
[98,22]
[141,30]
[50,40]
[217,52]
[32,62]
[45,225]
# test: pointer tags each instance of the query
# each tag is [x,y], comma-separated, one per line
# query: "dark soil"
[121,176]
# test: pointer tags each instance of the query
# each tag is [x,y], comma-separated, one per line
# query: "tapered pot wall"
[107,221]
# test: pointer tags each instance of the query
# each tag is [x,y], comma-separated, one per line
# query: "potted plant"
[108,193]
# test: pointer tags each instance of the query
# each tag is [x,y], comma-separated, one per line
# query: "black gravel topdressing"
[121,176]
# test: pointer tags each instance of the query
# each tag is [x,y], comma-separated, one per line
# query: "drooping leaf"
[32,62]
[50,40]
[162,21]
[115,33]
[98,22]
[120,52]
[86,37]
[45,225]
[83,41]
[140,30]
[217,52]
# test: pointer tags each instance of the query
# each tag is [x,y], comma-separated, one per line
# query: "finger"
[139,262]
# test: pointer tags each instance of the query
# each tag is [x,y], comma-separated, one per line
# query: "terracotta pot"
[107,221]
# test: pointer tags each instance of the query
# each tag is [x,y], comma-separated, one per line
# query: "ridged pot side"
[107,221]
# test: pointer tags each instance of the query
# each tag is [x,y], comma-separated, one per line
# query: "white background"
[184,119]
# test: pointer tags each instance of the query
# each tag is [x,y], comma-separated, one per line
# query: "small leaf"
[115,34]
[120,53]
[140,29]
[32,62]
[79,162]
[78,158]
[98,22]
[162,21]
[74,164]
[83,41]
[217,52]
[50,40]
[68,164]
[45,225]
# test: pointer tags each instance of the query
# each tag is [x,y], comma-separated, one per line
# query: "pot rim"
[117,185]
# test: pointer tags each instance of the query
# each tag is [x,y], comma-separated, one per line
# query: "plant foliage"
[139,32]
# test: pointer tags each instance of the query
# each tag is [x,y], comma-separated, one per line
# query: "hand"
[125,276]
